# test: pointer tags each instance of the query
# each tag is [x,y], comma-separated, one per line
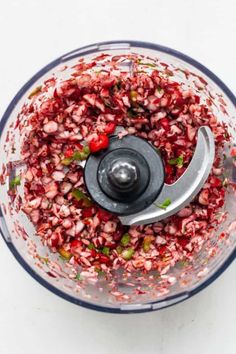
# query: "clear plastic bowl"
[30,252]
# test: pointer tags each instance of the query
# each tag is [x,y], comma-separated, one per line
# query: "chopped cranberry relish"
[70,119]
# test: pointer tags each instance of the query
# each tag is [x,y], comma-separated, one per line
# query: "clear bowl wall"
[216,254]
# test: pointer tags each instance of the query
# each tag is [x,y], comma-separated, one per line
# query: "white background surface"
[32,33]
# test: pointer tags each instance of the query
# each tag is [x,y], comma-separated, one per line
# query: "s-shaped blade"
[182,192]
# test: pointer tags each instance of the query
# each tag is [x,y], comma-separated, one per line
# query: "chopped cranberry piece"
[165,123]
[110,128]
[93,253]
[215,182]
[104,215]
[180,101]
[50,168]
[183,241]
[103,258]
[88,212]
[69,152]
[54,240]
[162,250]
[99,143]
[39,172]
[75,244]
[168,169]
[78,146]
[39,189]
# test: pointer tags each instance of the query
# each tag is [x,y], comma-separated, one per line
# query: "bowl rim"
[149,306]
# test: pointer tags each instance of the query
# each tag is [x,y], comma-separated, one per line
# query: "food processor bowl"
[155,291]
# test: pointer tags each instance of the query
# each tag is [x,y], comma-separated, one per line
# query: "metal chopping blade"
[182,192]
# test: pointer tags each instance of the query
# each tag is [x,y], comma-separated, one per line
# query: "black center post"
[127,177]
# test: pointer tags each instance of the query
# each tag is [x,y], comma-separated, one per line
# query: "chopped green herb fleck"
[127,254]
[91,246]
[15,182]
[63,259]
[77,156]
[67,161]
[106,251]
[151,65]
[119,249]
[44,259]
[79,195]
[179,161]
[133,95]
[125,239]
[86,149]
[164,205]
[35,91]
[99,271]
[78,276]
[183,263]
[81,155]
[147,243]
[65,255]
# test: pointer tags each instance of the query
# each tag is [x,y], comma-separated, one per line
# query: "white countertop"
[32,320]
